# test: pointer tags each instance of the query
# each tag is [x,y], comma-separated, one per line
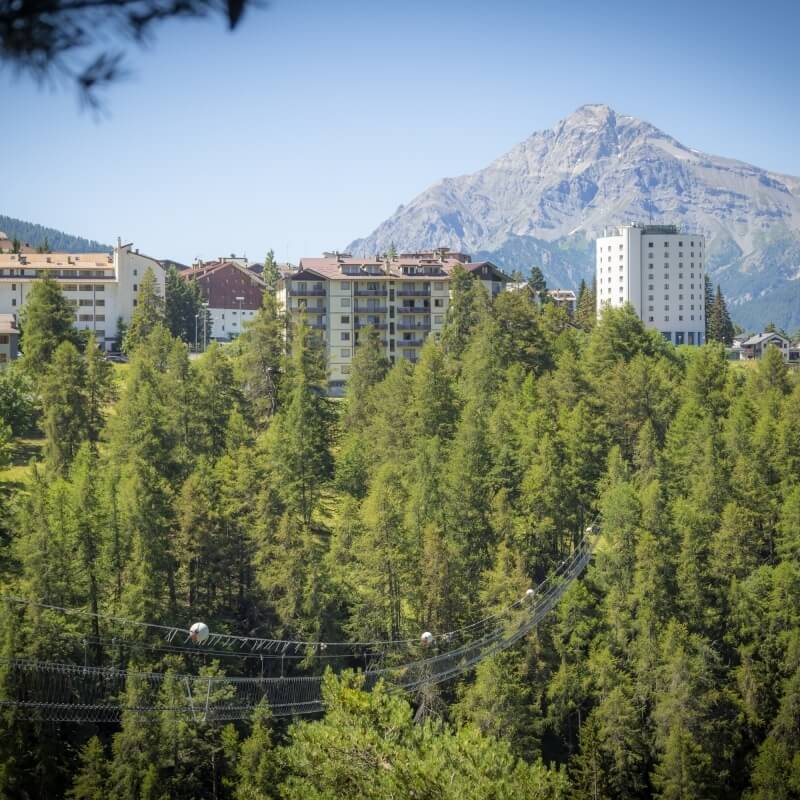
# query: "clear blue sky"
[308,125]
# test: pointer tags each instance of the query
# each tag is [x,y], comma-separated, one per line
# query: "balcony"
[301,309]
[413,310]
[407,292]
[310,292]
[371,309]
[408,325]
[318,325]
[410,342]
[380,326]
[359,292]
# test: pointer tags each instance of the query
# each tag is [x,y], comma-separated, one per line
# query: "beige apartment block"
[102,287]
[405,297]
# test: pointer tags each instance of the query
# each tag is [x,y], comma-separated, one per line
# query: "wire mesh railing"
[62,692]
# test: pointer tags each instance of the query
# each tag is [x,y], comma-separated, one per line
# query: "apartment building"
[405,297]
[101,287]
[9,339]
[563,298]
[660,271]
[233,293]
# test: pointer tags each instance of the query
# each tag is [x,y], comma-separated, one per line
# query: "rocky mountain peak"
[545,200]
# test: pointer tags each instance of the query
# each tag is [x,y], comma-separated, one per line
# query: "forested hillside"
[42,236]
[229,489]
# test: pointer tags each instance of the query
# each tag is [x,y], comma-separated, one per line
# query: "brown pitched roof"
[334,266]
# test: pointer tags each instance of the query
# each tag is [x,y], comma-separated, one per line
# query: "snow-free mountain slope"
[546,199]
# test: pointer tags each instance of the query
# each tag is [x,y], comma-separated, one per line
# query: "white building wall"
[99,301]
[661,274]
[225,323]
[340,328]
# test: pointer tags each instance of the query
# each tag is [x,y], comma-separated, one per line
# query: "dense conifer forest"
[230,489]
[51,238]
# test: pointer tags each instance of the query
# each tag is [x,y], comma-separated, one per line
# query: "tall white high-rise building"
[658,270]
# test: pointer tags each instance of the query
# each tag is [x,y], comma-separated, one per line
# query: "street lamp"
[205,326]
[196,318]
[241,300]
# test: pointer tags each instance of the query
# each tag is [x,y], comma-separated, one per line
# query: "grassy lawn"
[12,478]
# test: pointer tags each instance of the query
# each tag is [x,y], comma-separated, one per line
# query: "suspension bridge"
[68,692]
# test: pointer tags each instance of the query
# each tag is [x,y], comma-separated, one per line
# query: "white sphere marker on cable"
[198,633]
[530,593]
[426,639]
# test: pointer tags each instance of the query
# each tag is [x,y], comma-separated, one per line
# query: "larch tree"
[46,320]
[469,302]
[301,435]
[91,780]
[148,314]
[259,366]
[271,274]
[64,408]
[368,368]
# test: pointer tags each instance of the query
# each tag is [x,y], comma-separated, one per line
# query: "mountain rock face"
[544,201]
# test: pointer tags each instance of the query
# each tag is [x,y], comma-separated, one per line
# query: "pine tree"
[538,284]
[183,302]
[586,307]
[719,327]
[708,302]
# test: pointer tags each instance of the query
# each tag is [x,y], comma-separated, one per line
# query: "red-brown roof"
[223,281]
[334,267]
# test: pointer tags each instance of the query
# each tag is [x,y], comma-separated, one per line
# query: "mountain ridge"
[549,195]
[34,234]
